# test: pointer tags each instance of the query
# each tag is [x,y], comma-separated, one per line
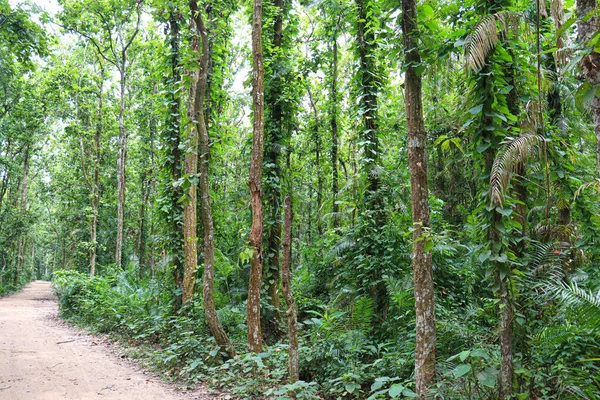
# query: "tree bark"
[272,276]
[141,241]
[212,319]
[121,155]
[173,140]
[95,201]
[417,158]
[286,280]
[368,99]
[590,64]
[190,220]
[334,134]
[253,320]
[373,201]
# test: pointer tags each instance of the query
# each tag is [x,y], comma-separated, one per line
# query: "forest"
[313,199]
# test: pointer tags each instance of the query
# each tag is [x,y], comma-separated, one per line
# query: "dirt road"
[42,358]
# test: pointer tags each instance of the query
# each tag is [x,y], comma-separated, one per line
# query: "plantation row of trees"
[437,163]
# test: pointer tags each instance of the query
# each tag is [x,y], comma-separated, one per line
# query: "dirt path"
[42,358]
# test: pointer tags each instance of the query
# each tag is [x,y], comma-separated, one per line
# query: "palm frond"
[594,183]
[485,35]
[583,302]
[340,247]
[514,153]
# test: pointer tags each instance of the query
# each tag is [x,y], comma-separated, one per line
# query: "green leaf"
[487,377]
[409,393]
[479,353]
[504,211]
[476,109]
[351,387]
[395,390]
[461,370]
[484,255]
[464,354]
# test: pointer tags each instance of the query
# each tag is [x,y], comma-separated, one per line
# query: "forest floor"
[43,358]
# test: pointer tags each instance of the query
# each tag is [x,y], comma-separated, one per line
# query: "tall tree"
[274,143]
[587,28]
[417,159]
[212,319]
[368,86]
[119,25]
[172,151]
[195,99]
[255,241]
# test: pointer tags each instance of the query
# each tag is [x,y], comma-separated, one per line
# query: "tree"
[255,241]
[417,158]
[111,28]
[587,29]
[196,92]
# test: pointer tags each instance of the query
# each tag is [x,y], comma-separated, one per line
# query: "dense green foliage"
[513,179]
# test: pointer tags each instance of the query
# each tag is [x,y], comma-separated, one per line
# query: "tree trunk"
[368,108]
[253,320]
[121,155]
[212,319]
[368,99]
[334,135]
[141,241]
[95,201]
[590,64]
[173,163]
[417,158]
[286,280]
[190,220]
[272,277]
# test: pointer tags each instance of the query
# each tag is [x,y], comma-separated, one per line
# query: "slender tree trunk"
[318,151]
[590,64]
[417,158]
[141,242]
[173,140]
[253,320]
[368,100]
[334,134]
[373,201]
[190,220]
[286,280]
[95,200]
[121,155]
[272,276]
[212,319]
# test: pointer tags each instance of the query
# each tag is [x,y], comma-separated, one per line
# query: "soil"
[43,358]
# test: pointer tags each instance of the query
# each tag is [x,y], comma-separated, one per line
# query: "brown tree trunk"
[190,220]
[590,64]
[174,140]
[253,320]
[368,106]
[141,240]
[95,200]
[417,158]
[334,134]
[212,319]
[272,277]
[121,156]
[286,280]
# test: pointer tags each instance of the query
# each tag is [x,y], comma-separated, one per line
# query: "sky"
[51,6]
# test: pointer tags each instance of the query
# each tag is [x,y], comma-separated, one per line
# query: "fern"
[513,154]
